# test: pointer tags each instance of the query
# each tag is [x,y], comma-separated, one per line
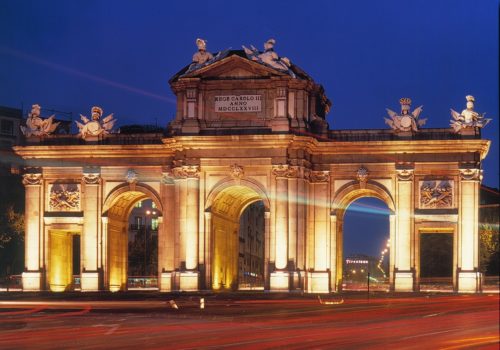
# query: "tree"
[11,225]
[489,249]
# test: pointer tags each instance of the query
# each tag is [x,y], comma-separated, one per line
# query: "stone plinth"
[166,282]
[403,282]
[469,282]
[32,281]
[90,281]
[280,281]
[317,282]
[188,281]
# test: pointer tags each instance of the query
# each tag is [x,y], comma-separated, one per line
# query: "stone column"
[469,276]
[267,247]
[319,278]
[166,236]
[188,178]
[91,231]
[104,254]
[333,254]
[33,241]
[280,277]
[403,272]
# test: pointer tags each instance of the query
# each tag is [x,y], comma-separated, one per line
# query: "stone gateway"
[249,127]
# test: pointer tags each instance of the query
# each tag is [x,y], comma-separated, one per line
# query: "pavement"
[248,321]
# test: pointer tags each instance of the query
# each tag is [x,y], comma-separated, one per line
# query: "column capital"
[186,172]
[405,171]
[322,176]
[471,174]
[91,178]
[32,179]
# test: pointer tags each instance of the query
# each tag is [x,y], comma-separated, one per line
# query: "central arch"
[346,195]
[117,208]
[227,205]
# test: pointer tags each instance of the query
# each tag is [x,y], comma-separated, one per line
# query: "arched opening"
[238,236]
[365,224]
[366,231]
[133,222]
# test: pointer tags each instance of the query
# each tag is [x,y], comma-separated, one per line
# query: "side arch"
[138,192]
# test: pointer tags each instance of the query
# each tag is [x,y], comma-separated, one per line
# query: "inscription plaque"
[238,103]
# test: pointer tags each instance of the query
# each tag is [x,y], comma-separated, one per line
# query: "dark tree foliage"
[11,225]
[143,254]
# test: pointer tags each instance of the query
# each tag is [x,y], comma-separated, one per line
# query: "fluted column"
[468,230]
[187,180]
[166,234]
[33,240]
[90,234]
[318,277]
[403,275]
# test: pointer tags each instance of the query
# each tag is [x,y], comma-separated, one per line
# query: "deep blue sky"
[71,55]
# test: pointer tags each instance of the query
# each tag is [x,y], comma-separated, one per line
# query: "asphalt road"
[412,322]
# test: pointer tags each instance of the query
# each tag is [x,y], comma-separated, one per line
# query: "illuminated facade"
[246,131]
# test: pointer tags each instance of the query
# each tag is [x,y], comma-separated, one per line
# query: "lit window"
[138,205]
[138,220]
[153,205]
[154,223]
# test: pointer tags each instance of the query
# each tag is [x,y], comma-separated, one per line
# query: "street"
[342,322]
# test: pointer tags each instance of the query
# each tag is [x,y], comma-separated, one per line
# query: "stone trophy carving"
[36,126]
[468,119]
[406,121]
[202,56]
[269,57]
[64,197]
[436,194]
[95,127]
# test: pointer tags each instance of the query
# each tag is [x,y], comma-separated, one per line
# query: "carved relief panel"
[436,194]
[64,197]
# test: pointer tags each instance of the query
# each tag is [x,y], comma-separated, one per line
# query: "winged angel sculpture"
[95,127]
[406,121]
[469,118]
[36,126]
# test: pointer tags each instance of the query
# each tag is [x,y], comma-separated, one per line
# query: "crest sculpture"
[36,126]
[269,57]
[468,119]
[95,127]
[406,121]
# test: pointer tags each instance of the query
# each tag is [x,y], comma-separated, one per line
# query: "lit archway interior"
[226,210]
[63,260]
[117,242]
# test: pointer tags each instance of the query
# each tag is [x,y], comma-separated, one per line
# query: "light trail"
[75,72]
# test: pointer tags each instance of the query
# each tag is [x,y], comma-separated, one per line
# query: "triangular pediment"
[234,67]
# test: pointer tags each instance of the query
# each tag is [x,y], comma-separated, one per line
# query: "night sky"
[71,55]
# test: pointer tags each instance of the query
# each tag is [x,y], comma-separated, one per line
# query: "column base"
[280,124]
[89,281]
[469,282]
[166,279]
[188,281]
[403,281]
[318,282]
[280,281]
[32,281]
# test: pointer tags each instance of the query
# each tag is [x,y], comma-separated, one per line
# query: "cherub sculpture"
[36,126]
[469,118]
[95,127]
[269,57]
[406,121]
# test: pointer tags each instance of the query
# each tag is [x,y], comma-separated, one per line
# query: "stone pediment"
[234,67]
